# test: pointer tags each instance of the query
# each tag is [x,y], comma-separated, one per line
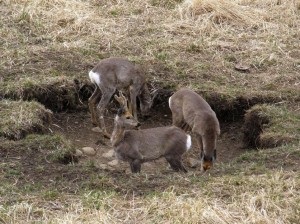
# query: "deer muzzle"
[207,165]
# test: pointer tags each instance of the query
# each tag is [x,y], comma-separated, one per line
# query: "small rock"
[78,153]
[109,154]
[193,163]
[97,129]
[242,67]
[102,166]
[114,162]
[89,151]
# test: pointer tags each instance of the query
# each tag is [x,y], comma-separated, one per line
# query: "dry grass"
[45,44]
[220,11]
[46,38]
[20,118]
[267,198]
[270,126]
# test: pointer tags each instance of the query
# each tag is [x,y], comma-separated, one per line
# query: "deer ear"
[116,97]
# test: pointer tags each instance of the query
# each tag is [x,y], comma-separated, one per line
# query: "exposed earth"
[77,128]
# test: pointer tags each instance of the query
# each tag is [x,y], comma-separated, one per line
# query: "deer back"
[119,73]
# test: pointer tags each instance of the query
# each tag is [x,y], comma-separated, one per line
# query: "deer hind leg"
[106,95]
[135,166]
[92,102]
[185,127]
[132,103]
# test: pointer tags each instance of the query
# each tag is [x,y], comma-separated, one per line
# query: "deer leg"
[92,105]
[135,166]
[132,104]
[185,127]
[200,144]
[182,168]
[173,163]
[106,95]
[178,163]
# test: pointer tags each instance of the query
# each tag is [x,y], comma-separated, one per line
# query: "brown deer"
[139,146]
[191,112]
[113,74]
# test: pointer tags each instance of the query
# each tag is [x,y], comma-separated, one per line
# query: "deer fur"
[113,74]
[139,146]
[191,112]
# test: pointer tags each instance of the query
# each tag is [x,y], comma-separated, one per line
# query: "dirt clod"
[114,162]
[109,154]
[89,151]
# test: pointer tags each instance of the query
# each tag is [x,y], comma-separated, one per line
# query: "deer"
[113,74]
[137,146]
[192,113]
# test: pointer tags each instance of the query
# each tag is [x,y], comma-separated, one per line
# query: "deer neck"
[117,135]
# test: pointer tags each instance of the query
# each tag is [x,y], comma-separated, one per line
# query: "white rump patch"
[94,77]
[188,142]
[170,102]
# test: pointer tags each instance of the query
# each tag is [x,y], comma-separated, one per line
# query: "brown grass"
[267,198]
[270,126]
[197,52]
[45,44]
[220,11]
[20,118]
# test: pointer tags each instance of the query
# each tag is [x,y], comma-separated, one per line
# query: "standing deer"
[139,146]
[191,112]
[113,74]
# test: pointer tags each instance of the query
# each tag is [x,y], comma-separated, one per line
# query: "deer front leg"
[101,107]
[92,102]
[200,144]
[175,162]
[135,166]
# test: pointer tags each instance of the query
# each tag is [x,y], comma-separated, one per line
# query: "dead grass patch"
[44,39]
[20,118]
[220,11]
[237,199]
[45,44]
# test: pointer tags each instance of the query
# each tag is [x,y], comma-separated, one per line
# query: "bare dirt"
[30,167]
[77,128]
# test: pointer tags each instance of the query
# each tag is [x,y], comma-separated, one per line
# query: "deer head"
[146,99]
[124,118]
